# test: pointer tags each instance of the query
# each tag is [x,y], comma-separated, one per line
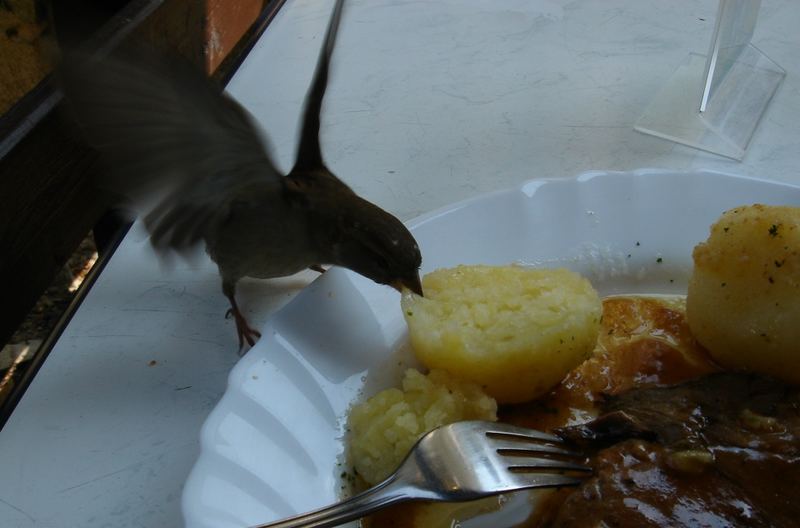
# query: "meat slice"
[719,451]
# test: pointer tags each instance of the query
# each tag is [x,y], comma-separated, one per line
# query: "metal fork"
[460,462]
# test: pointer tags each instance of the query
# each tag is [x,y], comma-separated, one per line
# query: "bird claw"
[244,331]
[317,267]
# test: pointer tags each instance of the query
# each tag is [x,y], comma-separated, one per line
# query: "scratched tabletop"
[429,103]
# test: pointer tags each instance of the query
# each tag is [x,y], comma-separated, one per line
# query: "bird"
[196,165]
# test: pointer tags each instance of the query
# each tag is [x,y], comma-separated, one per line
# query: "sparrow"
[194,162]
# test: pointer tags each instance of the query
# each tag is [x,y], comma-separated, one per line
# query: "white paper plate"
[271,446]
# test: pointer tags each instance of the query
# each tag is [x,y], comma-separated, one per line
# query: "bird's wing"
[178,146]
[309,168]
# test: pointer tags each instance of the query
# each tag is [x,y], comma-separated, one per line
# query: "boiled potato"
[743,302]
[515,331]
[385,427]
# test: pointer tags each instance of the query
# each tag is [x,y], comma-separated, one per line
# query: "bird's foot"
[317,268]
[243,330]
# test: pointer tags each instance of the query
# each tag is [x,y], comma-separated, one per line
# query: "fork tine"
[513,446]
[517,463]
[544,480]
[512,431]
[505,437]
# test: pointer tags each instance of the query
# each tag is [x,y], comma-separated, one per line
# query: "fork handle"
[390,491]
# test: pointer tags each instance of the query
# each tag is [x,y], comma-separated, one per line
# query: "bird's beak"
[412,283]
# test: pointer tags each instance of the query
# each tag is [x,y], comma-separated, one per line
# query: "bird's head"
[377,245]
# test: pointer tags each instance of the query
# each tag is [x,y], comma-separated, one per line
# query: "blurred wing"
[178,146]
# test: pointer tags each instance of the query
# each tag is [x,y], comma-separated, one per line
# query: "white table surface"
[430,103]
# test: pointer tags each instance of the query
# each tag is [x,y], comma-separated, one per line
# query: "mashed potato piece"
[384,428]
[515,331]
[743,302]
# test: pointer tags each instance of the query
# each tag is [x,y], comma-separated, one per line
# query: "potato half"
[515,331]
[743,302]
[383,429]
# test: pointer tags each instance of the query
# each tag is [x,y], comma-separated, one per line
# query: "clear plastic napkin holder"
[714,103]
